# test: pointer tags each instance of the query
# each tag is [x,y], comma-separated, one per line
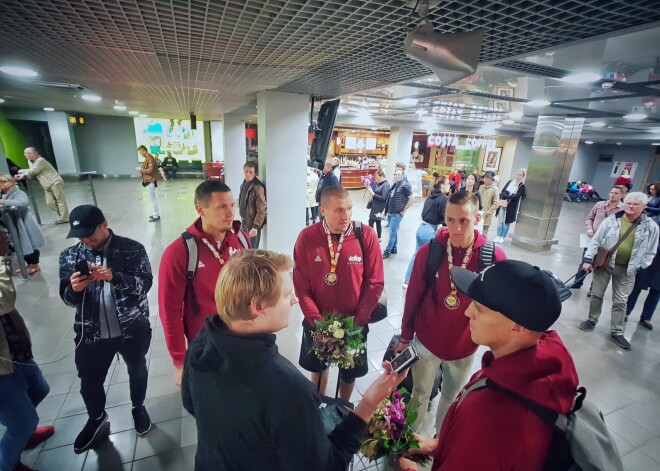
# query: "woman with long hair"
[653,206]
[29,234]
[510,197]
[379,189]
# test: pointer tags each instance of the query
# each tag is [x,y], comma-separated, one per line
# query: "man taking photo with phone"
[106,277]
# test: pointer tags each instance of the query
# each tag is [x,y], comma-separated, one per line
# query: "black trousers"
[373,221]
[94,359]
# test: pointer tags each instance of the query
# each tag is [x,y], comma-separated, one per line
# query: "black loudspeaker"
[324,125]
[193,121]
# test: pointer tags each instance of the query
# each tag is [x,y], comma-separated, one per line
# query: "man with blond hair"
[253,408]
[50,180]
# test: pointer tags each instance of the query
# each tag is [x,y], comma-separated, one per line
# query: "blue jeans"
[22,391]
[394,221]
[502,227]
[425,232]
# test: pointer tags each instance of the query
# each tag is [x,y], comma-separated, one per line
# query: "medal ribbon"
[334,256]
[450,262]
[214,251]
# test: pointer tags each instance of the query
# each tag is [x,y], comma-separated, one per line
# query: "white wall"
[584,165]
[217,142]
[639,153]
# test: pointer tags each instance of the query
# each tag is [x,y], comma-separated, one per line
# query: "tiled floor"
[626,385]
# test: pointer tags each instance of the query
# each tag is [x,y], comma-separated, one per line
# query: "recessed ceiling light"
[18,71]
[650,130]
[515,115]
[635,116]
[508,121]
[145,116]
[49,109]
[94,98]
[598,124]
[583,77]
[421,112]
[408,101]
[588,142]
[538,103]
[119,102]
[655,143]
[618,143]
[133,112]
[2,100]
[119,108]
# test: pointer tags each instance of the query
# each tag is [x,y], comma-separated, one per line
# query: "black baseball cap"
[508,287]
[84,220]
[489,174]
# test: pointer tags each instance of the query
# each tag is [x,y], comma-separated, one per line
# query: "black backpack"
[192,257]
[580,439]
[437,254]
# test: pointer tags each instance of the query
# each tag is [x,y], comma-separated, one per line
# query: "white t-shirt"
[512,187]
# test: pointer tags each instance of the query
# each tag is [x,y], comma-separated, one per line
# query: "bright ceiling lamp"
[508,121]
[145,116]
[421,112]
[119,108]
[583,77]
[2,100]
[408,101]
[517,115]
[655,143]
[18,71]
[48,108]
[92,98]
[650,130]
[598,124]
[538,103]
[134,112]
[635,116]
[588,142]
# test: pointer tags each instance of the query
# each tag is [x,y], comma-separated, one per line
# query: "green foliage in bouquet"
[337,340]
[390,430]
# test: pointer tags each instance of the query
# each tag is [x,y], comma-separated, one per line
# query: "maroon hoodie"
[492,430]
[180,322]
[360,275]
[444,332]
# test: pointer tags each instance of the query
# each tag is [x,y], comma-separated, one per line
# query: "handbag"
[370,204]
[564,291]
[603,256]
[333,412]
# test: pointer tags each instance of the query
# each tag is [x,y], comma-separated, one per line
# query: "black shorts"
[310,362]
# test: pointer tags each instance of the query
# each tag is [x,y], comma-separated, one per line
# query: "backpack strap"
[192,259]
[433,261]
[487,254]
[243,239]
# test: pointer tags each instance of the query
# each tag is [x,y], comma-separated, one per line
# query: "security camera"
[607,85]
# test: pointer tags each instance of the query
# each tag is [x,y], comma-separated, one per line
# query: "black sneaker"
[575,286]
[386,255]
[587,325]
[91,434]
[621,341]
[141,420]
[394,251]
[154,218]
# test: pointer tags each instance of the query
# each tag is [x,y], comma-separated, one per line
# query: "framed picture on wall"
[492,159]
[503,105]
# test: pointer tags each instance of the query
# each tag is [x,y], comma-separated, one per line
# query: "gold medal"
[452,302]
[331,279]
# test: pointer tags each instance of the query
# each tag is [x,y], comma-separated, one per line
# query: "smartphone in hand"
[82,267]
[404,360]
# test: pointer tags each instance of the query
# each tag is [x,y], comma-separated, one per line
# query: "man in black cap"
[489,427]
[106,277]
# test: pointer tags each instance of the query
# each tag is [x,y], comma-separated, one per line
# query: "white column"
[217,142]
[283,119]
[64,143]
[399,149]
[233,133]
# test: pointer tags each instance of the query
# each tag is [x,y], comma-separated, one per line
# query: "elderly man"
[50,180]
[490,199]
[633,239]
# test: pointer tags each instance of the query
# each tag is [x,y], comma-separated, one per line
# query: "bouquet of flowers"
[367,180]
[390,430]
[338,341]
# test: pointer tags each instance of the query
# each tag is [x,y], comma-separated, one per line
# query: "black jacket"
[324,182]
[514,202]
[434,209]
[132,279]
[255,410]
[379,198]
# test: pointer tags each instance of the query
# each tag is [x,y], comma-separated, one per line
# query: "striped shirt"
[600,212]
